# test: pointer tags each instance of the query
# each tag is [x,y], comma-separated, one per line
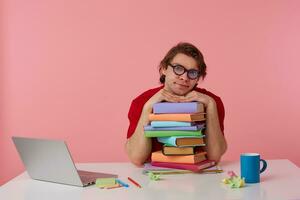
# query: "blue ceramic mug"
[250,167]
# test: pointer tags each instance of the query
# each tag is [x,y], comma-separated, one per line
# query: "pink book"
[192,167]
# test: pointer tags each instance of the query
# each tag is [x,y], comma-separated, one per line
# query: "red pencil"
[135,183]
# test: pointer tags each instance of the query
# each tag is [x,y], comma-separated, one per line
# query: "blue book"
[182,141]
[183,107]
[170,123]
[177,128]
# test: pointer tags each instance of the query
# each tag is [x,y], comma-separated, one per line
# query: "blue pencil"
[122,183]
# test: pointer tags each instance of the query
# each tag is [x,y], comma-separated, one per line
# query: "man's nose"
[184,76]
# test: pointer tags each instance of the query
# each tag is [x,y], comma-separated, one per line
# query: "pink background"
[69,70]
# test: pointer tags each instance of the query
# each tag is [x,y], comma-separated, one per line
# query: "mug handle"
[264,165]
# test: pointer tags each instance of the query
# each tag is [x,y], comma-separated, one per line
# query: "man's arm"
[138,146]
[215,141]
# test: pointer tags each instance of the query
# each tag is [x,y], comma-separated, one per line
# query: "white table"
[280,181]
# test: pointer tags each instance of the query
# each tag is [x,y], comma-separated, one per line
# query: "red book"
[192,167]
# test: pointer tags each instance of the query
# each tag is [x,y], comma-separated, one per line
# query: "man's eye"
[178,67]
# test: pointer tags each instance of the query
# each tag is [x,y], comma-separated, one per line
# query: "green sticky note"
[105,182]
[235,182]
[154,177]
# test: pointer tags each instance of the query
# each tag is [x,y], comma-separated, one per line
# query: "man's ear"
[163,71]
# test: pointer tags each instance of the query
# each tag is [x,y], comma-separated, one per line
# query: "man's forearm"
[215,141]
[138,146]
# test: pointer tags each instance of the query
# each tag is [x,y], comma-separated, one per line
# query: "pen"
[135,183]
[122,183]
[114,187]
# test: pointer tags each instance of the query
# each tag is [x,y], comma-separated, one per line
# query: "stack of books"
[180,127]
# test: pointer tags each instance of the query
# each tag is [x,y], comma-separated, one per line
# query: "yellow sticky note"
[106,182]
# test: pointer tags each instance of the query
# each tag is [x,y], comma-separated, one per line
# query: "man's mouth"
[182,85]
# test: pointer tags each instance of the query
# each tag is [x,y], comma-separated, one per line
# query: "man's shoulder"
[145,96]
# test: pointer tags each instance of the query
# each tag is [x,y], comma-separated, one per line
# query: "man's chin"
[180,92]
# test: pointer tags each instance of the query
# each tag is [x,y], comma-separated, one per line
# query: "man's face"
[180,84]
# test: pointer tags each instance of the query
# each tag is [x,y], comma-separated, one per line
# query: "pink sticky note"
[231,174]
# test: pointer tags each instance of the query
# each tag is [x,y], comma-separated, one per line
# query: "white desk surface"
[280,181]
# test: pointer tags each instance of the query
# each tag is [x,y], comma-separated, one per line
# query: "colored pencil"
[122,183]
[213,170]
[135,183]
[113,187]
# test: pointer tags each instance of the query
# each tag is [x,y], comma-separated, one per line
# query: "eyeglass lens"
[179,70]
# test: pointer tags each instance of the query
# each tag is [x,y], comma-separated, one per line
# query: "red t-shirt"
[138,103]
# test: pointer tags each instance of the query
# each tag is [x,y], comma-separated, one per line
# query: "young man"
[180,71]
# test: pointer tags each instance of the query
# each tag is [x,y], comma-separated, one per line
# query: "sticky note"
[153,177]
[237,182]
[106,182]
[234,181]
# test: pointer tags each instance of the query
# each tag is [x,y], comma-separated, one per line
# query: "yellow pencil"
[213,170]
[117,186]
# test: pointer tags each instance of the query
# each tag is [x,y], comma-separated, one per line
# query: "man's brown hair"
[187,49]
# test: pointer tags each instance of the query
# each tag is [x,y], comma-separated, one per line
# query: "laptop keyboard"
[90,177]
[87,177]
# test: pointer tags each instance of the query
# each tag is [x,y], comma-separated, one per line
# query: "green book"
[172,133]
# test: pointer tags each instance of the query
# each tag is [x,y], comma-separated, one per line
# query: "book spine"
[172,133]
[159,157]
[170,124]
[192,167]
[178,154]
[179,128]
[170,117]
[189,107]
[175,166]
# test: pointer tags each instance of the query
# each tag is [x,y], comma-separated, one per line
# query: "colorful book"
[158,156]
[213,170]
[178,151]
[171,124]
[182,141]
[184,107]
[172,133]
[185,117]
[166,171]
[178,128]
[162,170]
[192,167]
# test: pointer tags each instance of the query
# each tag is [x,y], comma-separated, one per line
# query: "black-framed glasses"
[179,70]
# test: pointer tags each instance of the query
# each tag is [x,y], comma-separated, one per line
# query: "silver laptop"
[50,160]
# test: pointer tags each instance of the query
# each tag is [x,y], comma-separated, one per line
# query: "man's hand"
[197,96]
[162,95]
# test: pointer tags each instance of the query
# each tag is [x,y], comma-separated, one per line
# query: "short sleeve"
[134,114]
[221,112]
[219,104]
[136,109]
